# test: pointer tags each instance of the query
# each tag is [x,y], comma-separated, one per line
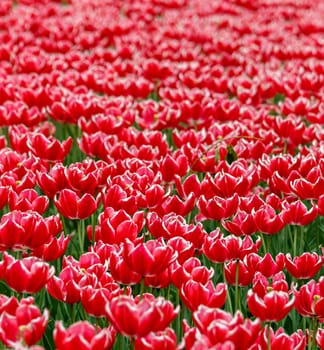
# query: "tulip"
[28,199]
[191,269]
[54,249]
[242,224]
[310,299]
[174,166]
[280,340]
[172,225]
[23,230]
[221,249]
[25,324]
[273,306]
[66,287]
[162,340]
[307,188]
[83,177]
[4,193]
[49,148]
[141,315]
[238,273]
[221,327]
[185,249]
[149,258]
[28,275]
[71,206]
[218,208]
[116,225]
[266,264]
[320,338]
[84,336]
[53,181]
[176,205]
[296,213]
[304,266]
[195,293]
[121,272]
[226,185]
[268,221]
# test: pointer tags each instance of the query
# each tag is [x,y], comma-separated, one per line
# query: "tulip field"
[162,174]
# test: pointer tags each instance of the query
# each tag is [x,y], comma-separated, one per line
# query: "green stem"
[142,287]
[312,333]
[237,293]
[264,245]
[295,241]
[72,312]
[93,227]
[81,235]
[269,336]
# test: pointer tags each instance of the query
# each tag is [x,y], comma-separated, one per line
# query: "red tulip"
[28,199]
[226,185]
[49,148]
[261,285]
[66,287]
[53,181]
[148,258]
[95,299]
[160,280]
[8,305]
[120,270]
[190,184]
[83,177]
[173,225]
[194,293]
[97,289]
[273,306]
[54,249]
[279,340]
[320,338]
[191,269]
[176,205]
[304,266]
[219,249]
[321,205]
[172,166]
[84,336]
[218,208]
[140,316]
[296,213]
[24,230]
[28,275]
[25,324]
[309,188]
[240,267]
[242,224]
[71,206]
[268,221]
[220,327]
[184,248]
[163,340]
[116,225]
[266,264]
[310,299]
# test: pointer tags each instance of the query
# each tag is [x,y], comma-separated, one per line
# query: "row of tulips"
[161,174]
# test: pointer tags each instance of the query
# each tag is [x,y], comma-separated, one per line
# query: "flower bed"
[162,174]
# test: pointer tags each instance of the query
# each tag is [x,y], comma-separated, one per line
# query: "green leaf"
[231,155]
[278,98]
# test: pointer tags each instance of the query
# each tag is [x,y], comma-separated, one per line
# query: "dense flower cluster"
[161,174]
